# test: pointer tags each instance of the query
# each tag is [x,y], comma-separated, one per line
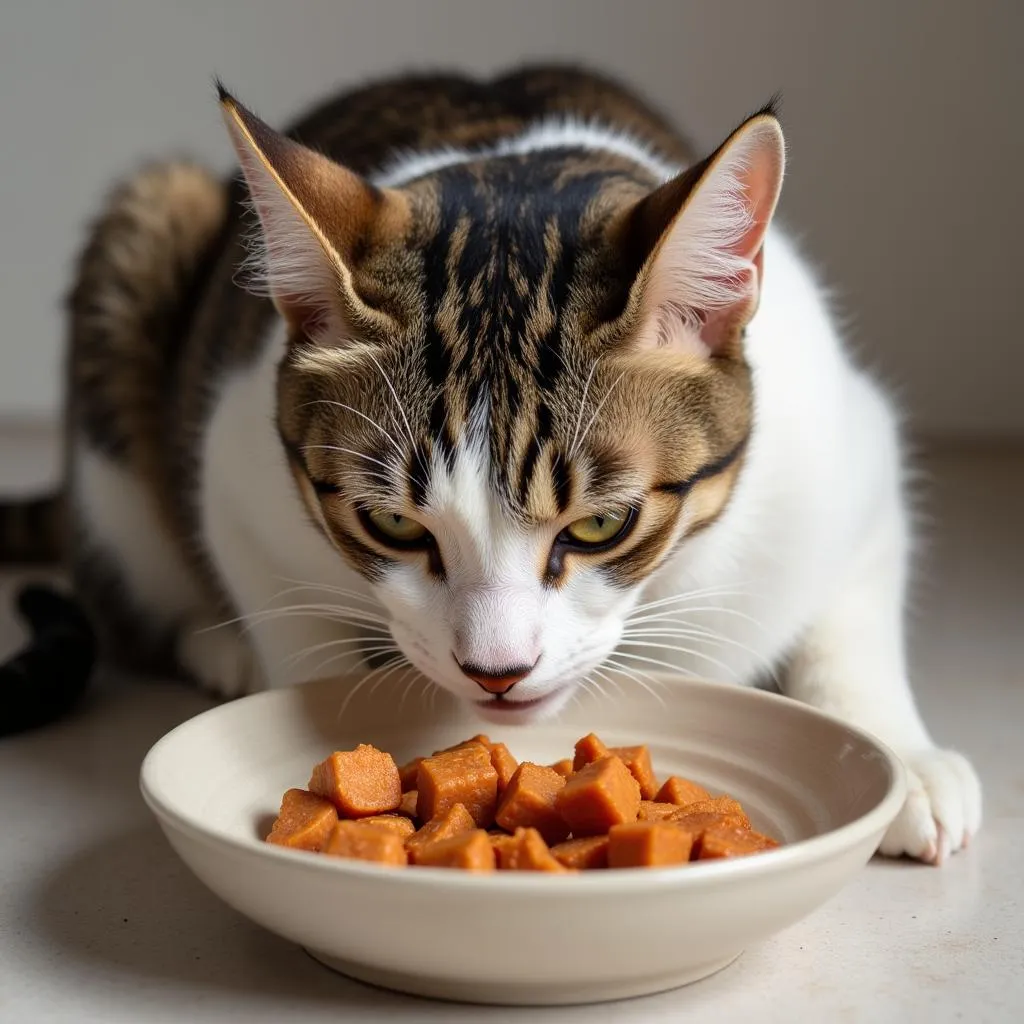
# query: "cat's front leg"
[852,664]
[219,656]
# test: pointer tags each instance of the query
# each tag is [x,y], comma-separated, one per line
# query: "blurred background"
[903,122]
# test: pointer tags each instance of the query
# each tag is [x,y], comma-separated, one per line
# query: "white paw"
[942,811]
[219,659]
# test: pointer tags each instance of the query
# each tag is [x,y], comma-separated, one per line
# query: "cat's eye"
[599,531]
[396,530]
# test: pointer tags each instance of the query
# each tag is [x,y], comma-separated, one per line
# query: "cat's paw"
[219,659]
[942,811]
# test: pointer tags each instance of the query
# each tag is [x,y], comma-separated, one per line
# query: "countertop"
[99,920]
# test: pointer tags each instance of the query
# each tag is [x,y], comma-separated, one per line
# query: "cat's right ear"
[314,215]
[700,237]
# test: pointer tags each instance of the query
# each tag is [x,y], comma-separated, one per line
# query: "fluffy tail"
[145,254]
[32,531]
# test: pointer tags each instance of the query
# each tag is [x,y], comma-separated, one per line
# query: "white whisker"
[394,394]
[583,402]
[600,406]
[389,466]
[636,678]
[669,665]
[362,682]
[369,419]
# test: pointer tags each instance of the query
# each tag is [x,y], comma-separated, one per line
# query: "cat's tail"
[42,682]
[32,531]
[48,676]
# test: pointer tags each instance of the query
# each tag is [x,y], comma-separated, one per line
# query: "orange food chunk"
[479,739]
[529,802]
[588,750]
[680,791]
[647,844]
[527,851]
[408,772]
[695,825]
[396,823]
[471,851]
[729,841]
[366,842]
[724,805]
[638,760]
[465,776]
[563,767]
[504,764]
[407,807]
[584,854]
[602,794]
[304,822]
[654,810]
[502,842]
[358,782]
[455,820]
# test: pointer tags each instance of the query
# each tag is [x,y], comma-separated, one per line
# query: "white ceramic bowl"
[826,790]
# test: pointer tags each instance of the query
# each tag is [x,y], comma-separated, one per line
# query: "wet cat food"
[474,807]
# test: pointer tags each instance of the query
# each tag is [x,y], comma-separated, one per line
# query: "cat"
[518,388]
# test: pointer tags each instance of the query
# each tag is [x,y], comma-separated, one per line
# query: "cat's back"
[367,128]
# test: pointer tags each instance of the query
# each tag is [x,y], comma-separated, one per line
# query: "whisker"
[609,679]
[399,658]
[327,588]
[306,652]
[669,665]
[600,406]
[362,415]
[583,402]
[411,681]
[718,639]
[636,678]
[666,616]
[691,595]
[390,467]
[423,481]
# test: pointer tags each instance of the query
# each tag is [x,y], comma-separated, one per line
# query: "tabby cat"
[496,380]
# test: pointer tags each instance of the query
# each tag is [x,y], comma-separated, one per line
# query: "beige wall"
[903,117]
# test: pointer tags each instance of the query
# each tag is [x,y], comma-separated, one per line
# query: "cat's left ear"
[701,236]
[315,215]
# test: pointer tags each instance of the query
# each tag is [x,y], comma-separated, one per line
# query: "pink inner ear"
[759,184]
[704,280]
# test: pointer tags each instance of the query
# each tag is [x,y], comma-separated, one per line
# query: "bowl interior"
[798,773]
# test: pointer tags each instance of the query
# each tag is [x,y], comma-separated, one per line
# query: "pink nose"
[496,680]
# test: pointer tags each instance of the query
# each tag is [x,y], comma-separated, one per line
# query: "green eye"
[396,529]
[596,531]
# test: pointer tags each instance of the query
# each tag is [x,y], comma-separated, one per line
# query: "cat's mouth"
[504,708]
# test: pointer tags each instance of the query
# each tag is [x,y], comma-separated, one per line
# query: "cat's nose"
[496,680]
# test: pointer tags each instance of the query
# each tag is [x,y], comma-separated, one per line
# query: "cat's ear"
[314,215]
[701,236]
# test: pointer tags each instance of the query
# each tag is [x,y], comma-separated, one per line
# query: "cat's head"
[515,385]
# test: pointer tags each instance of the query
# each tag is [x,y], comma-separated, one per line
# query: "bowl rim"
[623,881]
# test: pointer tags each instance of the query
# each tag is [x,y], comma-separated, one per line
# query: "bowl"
[826,790]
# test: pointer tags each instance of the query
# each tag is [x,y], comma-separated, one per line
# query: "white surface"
[99,920]
[904,179]
[826,791]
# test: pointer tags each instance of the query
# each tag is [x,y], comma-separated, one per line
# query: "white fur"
[121,517]
[808,560]
[550,133]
